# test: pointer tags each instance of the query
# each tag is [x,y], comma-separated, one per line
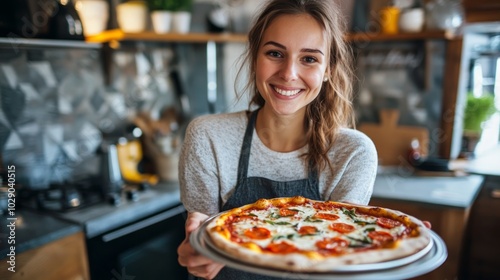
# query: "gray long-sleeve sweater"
[209,162]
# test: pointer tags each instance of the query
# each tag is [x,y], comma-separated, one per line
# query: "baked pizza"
[304,235]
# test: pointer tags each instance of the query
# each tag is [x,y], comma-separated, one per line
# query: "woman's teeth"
[287,92]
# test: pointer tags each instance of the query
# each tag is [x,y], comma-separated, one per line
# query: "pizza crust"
[312,262]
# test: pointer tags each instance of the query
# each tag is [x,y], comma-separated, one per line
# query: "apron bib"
[249,190]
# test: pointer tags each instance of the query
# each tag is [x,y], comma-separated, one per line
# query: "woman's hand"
[196,264]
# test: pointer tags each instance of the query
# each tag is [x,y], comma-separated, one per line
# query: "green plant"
[477,111]
[184,5]
[170,5]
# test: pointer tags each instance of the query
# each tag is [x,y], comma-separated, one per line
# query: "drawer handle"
[495,193]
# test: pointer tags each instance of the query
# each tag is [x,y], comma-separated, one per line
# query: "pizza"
[304,235]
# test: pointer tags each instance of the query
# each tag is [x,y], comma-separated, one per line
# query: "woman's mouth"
[286,92]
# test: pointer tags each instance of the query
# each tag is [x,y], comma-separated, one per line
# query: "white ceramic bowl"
[94,15]
[412,20]
[132,16]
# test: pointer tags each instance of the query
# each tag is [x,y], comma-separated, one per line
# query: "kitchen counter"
[33,230]
[485,164]
[445,191]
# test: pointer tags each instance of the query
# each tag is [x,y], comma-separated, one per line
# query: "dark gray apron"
[249,190]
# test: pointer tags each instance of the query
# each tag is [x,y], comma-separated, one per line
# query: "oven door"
[146,249]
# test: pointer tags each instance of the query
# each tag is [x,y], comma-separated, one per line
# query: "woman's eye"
[274,54]
[310,59]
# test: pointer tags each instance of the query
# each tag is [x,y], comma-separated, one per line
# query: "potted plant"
[181,18]
[477,111]
[161,14]
[170,15]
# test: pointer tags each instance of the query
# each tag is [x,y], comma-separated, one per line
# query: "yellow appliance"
[129,157]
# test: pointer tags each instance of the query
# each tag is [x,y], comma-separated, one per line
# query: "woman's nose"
[288,71]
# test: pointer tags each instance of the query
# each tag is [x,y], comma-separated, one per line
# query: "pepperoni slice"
[240,218]
[380,236]
[342,227]
[323,206]
[257,233]
[282,248]
[387,223]
[326,216]
[332,243]
[307,230]
[285,212]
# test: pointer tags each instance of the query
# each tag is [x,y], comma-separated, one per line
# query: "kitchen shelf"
[119,35]
[425,35]
[12,42]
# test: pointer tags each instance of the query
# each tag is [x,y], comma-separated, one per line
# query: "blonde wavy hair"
[333,108]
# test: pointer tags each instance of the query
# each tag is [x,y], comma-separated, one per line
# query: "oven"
[146,249]
[134,236]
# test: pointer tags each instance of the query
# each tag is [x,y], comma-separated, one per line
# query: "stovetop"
[70,196]
[97,213]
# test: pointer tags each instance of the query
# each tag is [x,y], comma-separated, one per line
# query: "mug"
[412,20]
[389,17]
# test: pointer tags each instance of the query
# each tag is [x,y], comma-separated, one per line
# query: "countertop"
[35,228]
[459,191]
[32,230]
[487,163]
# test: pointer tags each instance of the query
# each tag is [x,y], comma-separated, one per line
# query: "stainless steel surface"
[423,262]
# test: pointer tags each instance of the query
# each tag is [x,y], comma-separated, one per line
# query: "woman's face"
[291,63]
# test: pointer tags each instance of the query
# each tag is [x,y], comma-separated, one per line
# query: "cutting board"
[392,140]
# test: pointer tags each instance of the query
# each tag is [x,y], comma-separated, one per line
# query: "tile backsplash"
[56,108]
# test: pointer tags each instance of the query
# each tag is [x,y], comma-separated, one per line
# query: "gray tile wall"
[56,108]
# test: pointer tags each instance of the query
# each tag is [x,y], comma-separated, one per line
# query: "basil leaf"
[310,220]
[277,223]
[365,240]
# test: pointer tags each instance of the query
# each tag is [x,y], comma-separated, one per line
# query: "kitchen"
[79,96]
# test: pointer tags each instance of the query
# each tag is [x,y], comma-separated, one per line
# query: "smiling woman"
[298,142]
[290,73]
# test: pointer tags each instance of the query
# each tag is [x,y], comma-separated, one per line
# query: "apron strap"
[245,148]
[313,175]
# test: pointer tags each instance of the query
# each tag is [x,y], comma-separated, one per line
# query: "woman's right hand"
[195,263]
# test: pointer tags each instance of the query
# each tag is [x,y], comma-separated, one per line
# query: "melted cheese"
[286,228]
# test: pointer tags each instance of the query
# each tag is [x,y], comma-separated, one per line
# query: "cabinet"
[448,222]
[65,258]
[481,10]
[482,244]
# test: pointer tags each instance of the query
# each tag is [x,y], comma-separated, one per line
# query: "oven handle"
[142,224]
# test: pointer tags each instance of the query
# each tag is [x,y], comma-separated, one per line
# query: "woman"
[297,141]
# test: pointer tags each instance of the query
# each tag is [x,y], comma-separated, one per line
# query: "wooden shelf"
[119,35]
[51,43]
[425,35]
